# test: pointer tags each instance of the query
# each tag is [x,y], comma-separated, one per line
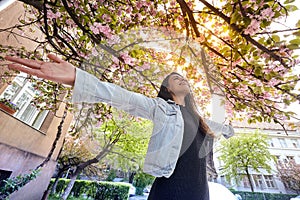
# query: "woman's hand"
[58,71]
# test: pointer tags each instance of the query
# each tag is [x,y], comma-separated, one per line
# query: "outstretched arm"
[87,88]
[226,130]
[58,70]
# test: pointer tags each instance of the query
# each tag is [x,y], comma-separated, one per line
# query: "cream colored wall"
[23,147]
[9,17]
[17,134]
[20,162]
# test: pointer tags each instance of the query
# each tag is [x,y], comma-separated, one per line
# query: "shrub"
[141,180]
[262,196]
[111,190]
[15,183]
[95,189]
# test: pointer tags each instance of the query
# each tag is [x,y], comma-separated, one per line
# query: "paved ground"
[138,197]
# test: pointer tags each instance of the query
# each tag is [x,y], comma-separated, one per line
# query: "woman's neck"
[179,100]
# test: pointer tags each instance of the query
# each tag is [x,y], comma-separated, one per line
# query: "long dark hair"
[190,103]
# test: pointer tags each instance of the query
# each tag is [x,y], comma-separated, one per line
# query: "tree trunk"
[131,176]
[46,194]
[53,189]
[79,169]
[249,179]
[71,184]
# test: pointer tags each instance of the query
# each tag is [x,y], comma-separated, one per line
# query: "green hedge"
[95,189]
[263,196]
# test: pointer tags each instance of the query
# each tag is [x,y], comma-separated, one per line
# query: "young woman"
[180,140]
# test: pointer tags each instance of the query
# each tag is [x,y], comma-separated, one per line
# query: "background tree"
[289,173]
[118,134]
[129,153]
[72,154]
[98,142]
[244,153]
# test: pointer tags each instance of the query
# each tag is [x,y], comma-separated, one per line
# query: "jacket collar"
[171,101]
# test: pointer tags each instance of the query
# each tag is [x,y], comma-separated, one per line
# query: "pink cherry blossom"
[253,28]
[273,82]
[127,59]
[119,13]
[94,29]
[70,23]
[139,4]
[115,60]
[267,13]
[129,10]
[51,15]
[99,28]
[106,18]
[114,39]
[145,66]
[95,52]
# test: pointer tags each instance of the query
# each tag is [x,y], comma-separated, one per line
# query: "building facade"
[284,145]
[26,137]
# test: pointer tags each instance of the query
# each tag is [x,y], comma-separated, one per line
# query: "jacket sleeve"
[89,89]
[226,130]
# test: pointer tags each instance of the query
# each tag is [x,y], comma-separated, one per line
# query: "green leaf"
[298,23]
[291,8]
[293,46]
[297,33]
[258,71]
[295,41]
[235,16]
[289,1]
[276,38]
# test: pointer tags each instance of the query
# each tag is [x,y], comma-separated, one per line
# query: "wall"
[22,147]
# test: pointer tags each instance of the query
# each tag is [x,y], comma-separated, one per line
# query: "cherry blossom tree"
[247,62]
[289,173]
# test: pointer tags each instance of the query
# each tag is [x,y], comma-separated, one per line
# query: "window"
[246,182]
[221,163]
[3,176]
[282,142]
[295,143]
[21,93]
[271,144]
[269,181]
[223,180]
[258,181]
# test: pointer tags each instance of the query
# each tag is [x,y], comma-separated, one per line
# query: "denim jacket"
[167,135]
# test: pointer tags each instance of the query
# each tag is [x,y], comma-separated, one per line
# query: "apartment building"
[284,145]
[26,136]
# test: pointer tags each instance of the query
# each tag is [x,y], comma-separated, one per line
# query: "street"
[139,197]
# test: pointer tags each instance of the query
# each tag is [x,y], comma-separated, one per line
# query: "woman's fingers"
[27,62]
[54,58]
[58,70]
[31,71]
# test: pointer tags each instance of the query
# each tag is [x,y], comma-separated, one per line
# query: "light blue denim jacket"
[167,135]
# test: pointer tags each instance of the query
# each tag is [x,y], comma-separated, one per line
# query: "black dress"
[189,180]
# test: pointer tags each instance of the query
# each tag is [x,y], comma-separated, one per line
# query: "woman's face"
[178,85]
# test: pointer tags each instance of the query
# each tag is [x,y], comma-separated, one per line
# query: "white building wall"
[285,151]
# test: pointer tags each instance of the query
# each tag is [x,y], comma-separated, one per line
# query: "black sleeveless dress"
[189,179]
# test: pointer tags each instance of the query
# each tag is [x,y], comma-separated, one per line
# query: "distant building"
[26,137]
[285,146]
